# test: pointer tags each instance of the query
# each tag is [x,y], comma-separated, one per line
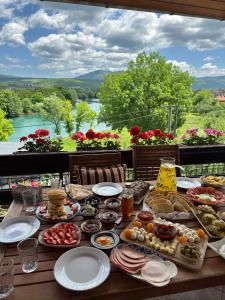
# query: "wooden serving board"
[177,258]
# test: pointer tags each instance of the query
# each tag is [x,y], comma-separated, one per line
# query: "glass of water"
[29,199]
[6,277]
[28,254]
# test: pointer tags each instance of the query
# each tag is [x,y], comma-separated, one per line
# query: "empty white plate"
[187,183]
[18,228]
[107,189]
[82,268]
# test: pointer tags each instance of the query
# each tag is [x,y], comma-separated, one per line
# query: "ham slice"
[117,264]
[155,271]
[131,260]
[129,265]
[131,253]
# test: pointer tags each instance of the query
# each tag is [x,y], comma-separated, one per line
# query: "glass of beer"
[127,204]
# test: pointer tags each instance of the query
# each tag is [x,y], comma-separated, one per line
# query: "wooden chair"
[90,159]
[146,160]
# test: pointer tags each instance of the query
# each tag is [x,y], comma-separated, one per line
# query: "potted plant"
[197,146]
[96,140]
[150,137]
[40,141]
[193,137]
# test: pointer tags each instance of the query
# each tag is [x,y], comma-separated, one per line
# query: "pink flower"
[116,136]
[183,136]
[192,131]
[13,186]
[102,135]
[42,132]
[34,183]
[23,138]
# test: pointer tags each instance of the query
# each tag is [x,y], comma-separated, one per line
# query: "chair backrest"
[146,159]
[91,159]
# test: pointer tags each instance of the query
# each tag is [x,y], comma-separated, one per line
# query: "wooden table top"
[41,285]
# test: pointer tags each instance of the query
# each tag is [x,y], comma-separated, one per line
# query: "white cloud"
[12,59]
[12,33]
[204,70]
[208,58]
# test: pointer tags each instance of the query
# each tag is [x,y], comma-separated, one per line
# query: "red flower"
[116,136]
[97,135]
[32,136]
[102,135]
[151,133]
[108,135]
[23,138]
[134,140]
[39,140]
[161,134]
[157,131]
[143,135]
[135,130]
[77,136]
[170,136]
[42,132]
[90,134]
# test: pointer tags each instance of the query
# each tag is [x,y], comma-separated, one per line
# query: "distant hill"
[93,80]
[96,75]
[212,83]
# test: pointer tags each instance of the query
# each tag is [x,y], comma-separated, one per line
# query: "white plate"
[187,183]
[18,228]
[107,189]
[82,268]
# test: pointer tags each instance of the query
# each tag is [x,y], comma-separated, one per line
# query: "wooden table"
[41,285]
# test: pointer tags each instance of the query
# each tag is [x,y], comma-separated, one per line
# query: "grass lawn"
[192,120]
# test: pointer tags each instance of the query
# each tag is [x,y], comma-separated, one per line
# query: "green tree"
[84,114]
[54,111]
[134,96]
[27,105]
[69,120]
[6,127]
[204,102]
[10,103]
[37,97]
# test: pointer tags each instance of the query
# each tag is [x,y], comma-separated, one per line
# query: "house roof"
[214,9]
[221,98]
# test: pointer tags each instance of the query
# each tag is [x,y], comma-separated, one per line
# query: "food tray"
[150,254]
[177,258]
[176,215]
[43,242]
[200,222]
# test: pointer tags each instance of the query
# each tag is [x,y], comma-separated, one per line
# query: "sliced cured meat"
[131,253]
[114,260]
[126,264]
[155,271]
[131,260]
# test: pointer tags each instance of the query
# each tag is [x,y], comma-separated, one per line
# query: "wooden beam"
[214,9]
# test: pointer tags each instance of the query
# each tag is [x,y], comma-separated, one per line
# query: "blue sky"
[43,39]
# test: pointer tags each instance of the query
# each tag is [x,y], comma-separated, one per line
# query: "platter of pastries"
[169,205]
[168,239]
[57,208]
[210,221]
[214,181]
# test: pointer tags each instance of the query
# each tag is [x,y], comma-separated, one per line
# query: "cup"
[29,199]
[6,277]
[28,254]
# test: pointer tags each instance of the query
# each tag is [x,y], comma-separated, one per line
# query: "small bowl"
[91,226]
[108,217]
[165,232]
[86,217]
[145,216]
[93,201]
[191,259]
[113,203]
[106,233]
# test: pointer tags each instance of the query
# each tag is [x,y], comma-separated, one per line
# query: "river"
[29,123]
